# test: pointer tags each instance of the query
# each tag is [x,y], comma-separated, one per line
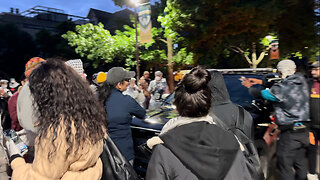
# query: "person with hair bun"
[70,125]
[192,146]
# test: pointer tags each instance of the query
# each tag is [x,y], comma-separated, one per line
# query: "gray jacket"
[25,110]
[293,94]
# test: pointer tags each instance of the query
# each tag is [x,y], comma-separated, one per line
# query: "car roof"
[258,71]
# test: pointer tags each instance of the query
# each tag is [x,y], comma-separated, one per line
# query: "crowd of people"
[63,119]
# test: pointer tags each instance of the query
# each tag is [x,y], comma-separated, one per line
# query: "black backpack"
[249,150]
[115,165]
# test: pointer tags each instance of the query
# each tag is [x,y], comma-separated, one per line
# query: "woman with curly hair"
[70,126]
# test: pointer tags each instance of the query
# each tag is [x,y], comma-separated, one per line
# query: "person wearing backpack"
[222,106]
[290,98]
[192,146]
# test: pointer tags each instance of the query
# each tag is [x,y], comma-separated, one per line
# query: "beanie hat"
[77,65]
[32,64]
[118,74]
[286,67]
[101,77]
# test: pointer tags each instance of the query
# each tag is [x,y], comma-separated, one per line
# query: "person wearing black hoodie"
[192,146]
[222,106]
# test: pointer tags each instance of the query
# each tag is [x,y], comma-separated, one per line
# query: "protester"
[192,146]
[222,106]
[177,76]
[120,109]
[144,86]
[77,65]
[70,126]
[136,92]
[4,112]
[25,110]
[13,85]
[146,76]
[12,106]
[290,99]
[4,85]
[315,120]
[158,87]
[97,80]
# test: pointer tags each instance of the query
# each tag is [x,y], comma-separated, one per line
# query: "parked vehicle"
[260,110]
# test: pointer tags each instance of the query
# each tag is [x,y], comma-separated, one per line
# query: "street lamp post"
[137,42]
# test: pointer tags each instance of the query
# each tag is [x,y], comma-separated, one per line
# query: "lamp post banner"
[274,50]
[144,17]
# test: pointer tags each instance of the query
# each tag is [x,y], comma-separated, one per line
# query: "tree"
[98,45]
[297,28]
[212,28]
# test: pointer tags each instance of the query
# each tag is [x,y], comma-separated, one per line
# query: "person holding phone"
[70,126]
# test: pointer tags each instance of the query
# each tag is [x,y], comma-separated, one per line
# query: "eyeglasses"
[127,79]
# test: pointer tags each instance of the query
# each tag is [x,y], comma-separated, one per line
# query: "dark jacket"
[4,113]
[314,86]
[120,109]
[198,150]
[222,106]
[293,95]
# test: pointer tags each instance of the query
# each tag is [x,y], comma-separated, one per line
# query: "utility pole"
[137,42]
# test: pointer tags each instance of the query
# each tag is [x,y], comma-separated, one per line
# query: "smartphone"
[11,134]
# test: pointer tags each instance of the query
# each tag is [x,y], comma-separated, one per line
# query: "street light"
[136,3]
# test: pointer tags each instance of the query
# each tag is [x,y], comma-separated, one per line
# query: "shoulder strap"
[219,122]
[240,120]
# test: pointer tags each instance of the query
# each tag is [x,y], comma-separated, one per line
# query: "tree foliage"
[96,44]
[211,27]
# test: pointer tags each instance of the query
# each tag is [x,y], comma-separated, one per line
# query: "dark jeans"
[312,151]
[291,153]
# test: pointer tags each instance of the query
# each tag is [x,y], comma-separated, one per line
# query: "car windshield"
[238,93]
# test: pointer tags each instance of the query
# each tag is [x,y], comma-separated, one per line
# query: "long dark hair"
[192,95]
[62,96]
[105,90]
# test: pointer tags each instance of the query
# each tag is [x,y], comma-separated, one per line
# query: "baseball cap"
[118,74]
[315,64]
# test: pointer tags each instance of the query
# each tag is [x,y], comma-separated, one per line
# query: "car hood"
[155,119]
